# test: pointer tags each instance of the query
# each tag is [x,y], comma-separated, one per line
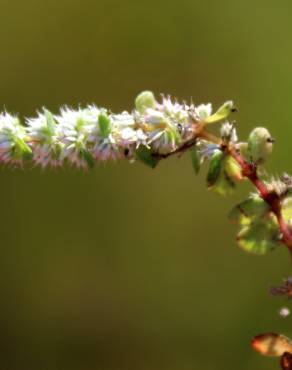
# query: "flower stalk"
[153,131]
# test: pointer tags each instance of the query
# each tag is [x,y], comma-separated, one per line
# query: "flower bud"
[260,144]
[144,101]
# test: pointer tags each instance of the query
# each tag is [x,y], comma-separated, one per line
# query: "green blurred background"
[125,268]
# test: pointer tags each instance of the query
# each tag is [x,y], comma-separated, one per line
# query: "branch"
[151,132]
[157,130]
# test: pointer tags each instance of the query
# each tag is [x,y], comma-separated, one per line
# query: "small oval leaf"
[145,155]
[196,160]
[215,166]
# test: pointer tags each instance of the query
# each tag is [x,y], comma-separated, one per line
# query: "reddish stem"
[249,170]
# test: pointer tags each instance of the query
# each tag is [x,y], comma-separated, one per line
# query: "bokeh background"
[123,267]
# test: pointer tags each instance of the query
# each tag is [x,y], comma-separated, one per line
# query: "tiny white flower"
[162,141]
[122,120]
[12,139]
[203,111]
[284,312]
[174,111]
[153,116]
[141,138]
[75,129]
[44,141]
[107,149]
[228,132]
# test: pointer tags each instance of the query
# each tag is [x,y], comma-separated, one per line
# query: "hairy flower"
[13,148]
[228,133]
[44,141]
[203,111]
[74,130]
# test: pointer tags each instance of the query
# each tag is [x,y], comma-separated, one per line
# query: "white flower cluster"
[13,148]
[83,136]
[228,132]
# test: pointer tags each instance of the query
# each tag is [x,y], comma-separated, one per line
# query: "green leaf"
[104,125]
[222,113]
[145,155]
[196,160]
[215,166]
[145,100]
[260,236]
[252,207]
[88,157]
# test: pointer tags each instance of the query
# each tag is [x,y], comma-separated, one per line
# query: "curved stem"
[249,170]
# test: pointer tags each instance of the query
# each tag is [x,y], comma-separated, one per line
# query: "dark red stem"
[249,170]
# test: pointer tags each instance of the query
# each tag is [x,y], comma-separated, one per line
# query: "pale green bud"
[144,101]
[260,144]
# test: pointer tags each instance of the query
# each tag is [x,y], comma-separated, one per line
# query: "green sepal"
[145,100]
[173,135]
[104,125]
[215,166]
[21,150]
[254,206]
[196,159]
[145,155]
[222,113]
[50,121]
[259,236]
[88,157]
[57,150]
